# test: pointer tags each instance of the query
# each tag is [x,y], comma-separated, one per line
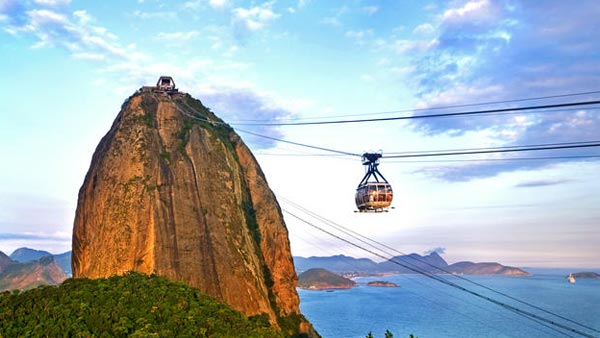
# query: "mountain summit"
[172,190]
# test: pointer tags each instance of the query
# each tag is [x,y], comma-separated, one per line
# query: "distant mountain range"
[24,255]
[26,268]
[432,263]
[30,274]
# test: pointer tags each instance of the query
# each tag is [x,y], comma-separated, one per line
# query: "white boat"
[571,278]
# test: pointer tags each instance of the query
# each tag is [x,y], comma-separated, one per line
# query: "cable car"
[373,193]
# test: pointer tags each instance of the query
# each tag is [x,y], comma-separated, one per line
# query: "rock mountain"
[172,190]
[30,274]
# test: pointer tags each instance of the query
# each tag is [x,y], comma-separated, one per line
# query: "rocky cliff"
[174,191]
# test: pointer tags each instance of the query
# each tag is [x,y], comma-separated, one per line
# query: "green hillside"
[133,305]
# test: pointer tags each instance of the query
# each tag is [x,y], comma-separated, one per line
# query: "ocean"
[427,308]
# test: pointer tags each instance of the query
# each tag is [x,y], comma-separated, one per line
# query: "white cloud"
[425,28]
[360,37]
[193,4]
[405,46]
[89,56]
[52,2]
[248,20]
[162,15]
[83,17]
[178,36]
[371,9]
[218,3]
[75,33]
[331,21]
[256,17]
[474,10]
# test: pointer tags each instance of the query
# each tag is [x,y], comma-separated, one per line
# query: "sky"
[68,65]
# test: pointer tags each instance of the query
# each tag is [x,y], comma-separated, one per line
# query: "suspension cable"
[362,239]
[523,313]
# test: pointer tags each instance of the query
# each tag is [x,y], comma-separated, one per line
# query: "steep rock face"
[172,190]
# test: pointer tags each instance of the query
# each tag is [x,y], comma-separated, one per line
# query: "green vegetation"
[133,305]
[166,156]
[216,125]
[183,136]
[322,279]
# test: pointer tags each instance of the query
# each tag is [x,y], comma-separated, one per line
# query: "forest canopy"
[119,306]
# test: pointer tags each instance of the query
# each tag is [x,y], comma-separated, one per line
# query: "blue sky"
[68,65]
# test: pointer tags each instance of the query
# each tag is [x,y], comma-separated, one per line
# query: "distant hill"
[427,263]
[338,263]
[28,255]
[470,268]
[22,276]
[321,279]
[133,305]
[586,275]
[5,261]
[64,260]
[349,266]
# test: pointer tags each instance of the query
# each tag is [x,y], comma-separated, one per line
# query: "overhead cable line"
[364,239]
[523,313]
[491,151]
[437,107]
[502,159]
[549,146]
[494,148]
[396,118]
[427,296]
[299,144]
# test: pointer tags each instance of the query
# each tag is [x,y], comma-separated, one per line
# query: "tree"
[370,335]
[388,334]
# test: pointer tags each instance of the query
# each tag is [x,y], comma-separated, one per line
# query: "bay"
[427,308]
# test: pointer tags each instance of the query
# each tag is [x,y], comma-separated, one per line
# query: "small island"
[321,279]
[586,275]
[384,284]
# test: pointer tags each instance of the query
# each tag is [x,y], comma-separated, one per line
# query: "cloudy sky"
[67,66]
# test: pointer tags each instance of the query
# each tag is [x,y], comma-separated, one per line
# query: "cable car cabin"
[374,196]
[166,84]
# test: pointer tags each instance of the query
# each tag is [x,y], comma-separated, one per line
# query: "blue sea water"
[429,309]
